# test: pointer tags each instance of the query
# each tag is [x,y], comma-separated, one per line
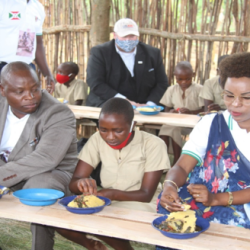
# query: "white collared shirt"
[129,61]
[12,131]
[198,139]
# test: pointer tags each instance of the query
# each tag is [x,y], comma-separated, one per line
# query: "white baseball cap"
[126,26]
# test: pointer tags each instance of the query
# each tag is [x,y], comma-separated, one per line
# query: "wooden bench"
[124,223]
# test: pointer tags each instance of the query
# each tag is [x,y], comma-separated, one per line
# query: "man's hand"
[201,194]
[213,106]
[50,84]
[136,104]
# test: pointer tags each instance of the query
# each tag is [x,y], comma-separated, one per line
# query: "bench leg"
[42,237]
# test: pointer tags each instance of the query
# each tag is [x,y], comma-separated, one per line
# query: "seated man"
[132,166]
[211,92]
[126,68]
[37,139]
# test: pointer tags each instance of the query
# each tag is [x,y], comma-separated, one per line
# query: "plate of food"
[149,110]
[181,225]
[38,196]
[3,191]
[84,204]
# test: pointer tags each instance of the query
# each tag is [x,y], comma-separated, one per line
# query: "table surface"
[124,223]
[180,120]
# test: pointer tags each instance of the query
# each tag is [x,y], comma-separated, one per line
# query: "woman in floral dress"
[213,172]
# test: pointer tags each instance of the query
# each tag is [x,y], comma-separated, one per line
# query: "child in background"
[211,92]
[183,98]
[67,87]
[131,180]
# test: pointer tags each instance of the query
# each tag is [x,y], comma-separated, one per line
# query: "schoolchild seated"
[74,91]
[211,91]
[132,165]
[183,98]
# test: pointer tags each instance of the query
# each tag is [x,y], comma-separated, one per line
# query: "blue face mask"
[126,45]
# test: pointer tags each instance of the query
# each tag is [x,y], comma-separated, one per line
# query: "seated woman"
[213,172]
[132,165]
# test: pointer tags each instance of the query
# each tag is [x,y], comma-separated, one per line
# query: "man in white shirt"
[126,68]
[37,140]
[21,35]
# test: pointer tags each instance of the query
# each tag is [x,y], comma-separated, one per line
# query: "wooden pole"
[99,32]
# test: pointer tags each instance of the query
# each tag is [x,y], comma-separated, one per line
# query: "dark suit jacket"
[53,124]
[106,72]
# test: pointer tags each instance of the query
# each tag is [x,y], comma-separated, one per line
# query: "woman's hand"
[108,193]
[87,186]
[170,199]
[201,194]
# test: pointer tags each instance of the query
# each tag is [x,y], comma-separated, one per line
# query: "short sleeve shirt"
[20,23]
[124,169]
[212,91]
[77,90]
[173,97]
[198,139]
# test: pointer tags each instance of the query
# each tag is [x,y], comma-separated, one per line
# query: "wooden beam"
[154,32]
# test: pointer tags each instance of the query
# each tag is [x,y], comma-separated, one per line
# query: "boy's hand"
[87,186]
[108,193]
[201,194]
[213,106]
[184,111]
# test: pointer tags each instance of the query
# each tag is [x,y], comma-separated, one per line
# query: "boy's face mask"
[124,143]
[62,78]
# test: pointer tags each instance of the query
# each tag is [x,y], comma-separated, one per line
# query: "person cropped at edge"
[211,92]
[21,35]
[126,68]
[213,172]
[38,145]
[132,165]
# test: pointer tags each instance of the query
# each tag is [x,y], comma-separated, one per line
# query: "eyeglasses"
[229,98]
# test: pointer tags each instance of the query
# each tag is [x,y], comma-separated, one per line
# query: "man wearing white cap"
[127,68]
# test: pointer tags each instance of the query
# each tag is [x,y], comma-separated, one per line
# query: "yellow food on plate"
[84,201]
[179,222]
[60,99]
[146,109]
[186,207]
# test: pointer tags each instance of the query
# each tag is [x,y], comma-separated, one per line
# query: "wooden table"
[126,224]
[180,120]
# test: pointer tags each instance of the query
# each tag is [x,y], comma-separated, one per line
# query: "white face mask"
[126,45]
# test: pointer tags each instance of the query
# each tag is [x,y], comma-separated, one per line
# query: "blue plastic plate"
[200,222]
[89,210]
[5,191]
[155,112]
[38,196]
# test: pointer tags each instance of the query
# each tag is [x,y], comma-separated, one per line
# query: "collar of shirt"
[128,59]
[14,118]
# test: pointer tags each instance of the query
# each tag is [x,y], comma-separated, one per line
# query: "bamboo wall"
[198,31]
